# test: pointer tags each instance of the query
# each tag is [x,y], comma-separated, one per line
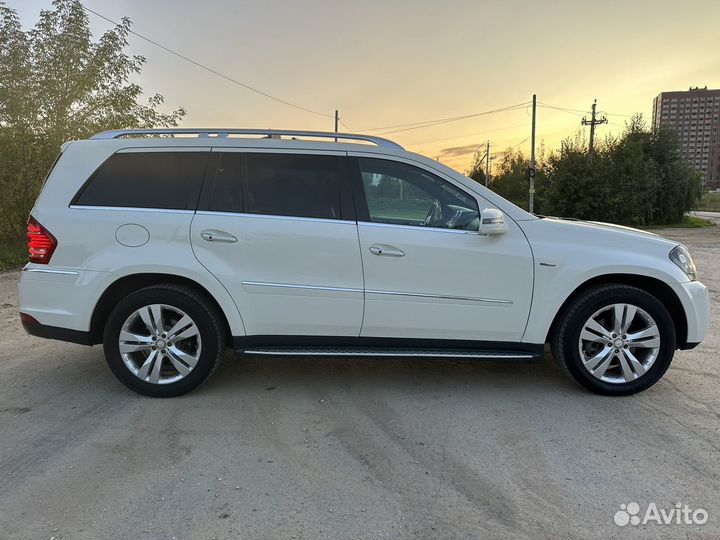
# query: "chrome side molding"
[51,271]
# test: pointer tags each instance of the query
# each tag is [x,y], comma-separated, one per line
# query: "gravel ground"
[349,448]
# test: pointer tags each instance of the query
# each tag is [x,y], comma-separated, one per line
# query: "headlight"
[681,256]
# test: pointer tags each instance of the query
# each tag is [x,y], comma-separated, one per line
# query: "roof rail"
[224,132]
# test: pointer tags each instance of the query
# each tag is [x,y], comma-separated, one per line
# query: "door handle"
[212,235]
[387,251]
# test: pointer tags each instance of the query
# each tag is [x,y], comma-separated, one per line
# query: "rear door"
[428,273]
[279,231]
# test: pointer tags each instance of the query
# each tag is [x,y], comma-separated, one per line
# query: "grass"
[688,222]
[710,202]
[13,254]
[409,209]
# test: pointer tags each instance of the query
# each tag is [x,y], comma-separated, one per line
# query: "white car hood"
[592,228]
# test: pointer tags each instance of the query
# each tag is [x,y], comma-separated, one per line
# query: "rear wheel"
[164,340]
[615,340]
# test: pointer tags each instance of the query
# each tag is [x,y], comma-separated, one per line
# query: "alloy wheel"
[160,344]
[619,343]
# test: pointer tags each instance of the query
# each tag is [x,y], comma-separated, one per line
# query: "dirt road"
[350,448]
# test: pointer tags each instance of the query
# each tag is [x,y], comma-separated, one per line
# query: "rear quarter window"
[168,180]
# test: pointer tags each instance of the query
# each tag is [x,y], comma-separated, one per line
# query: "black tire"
[197,307]
[565,343]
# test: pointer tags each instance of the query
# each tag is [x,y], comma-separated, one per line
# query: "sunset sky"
[387,63]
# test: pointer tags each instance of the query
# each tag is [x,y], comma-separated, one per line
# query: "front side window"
[402,194]
[168,180]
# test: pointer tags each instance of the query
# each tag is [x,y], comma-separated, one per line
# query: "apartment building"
[695,114]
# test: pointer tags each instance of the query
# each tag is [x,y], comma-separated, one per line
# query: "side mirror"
[492,222]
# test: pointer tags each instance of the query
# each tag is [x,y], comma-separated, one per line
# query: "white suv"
[166,246]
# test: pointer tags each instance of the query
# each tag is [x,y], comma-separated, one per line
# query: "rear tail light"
[41,243]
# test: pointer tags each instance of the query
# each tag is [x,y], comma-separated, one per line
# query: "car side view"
[168,245]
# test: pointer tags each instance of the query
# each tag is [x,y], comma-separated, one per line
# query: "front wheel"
[163,341]
[615,340]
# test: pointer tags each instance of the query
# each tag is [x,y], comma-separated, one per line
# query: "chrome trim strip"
[419,228]
[50,271]
[372,291]
[370,353]
[443,296]
[269,216]
[131,209]
[294,286]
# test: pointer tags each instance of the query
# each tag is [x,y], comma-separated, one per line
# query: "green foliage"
[406,209]
[477,169]
[687,222]
[639,178]
[512,180]
[57,84]
[13,254]
[710,202]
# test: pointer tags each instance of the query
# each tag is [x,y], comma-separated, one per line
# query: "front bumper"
[695,300]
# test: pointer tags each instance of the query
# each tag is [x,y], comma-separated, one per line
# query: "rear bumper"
[55,332]
[60,298]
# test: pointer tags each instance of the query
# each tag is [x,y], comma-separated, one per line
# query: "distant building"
[695,114]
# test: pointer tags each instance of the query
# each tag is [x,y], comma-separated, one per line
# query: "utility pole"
[531,172]
[592,123]
[487,164]
[337,121]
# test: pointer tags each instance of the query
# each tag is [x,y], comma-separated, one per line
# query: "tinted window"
[292,185]
[225,189]
[146,180]
[406,195]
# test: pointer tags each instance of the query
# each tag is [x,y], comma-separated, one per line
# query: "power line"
[211,70]
[580,112]
[562,108]
[430,123]
[472,134]
[518,144]
[575,112]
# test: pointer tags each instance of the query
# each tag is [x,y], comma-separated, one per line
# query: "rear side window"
[226,188]
[169,180]
[296,185]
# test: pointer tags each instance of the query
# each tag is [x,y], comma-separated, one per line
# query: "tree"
[512,180]
[477,169]
[639,178]
[57,84]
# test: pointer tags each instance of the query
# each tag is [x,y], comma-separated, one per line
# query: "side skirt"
[385,347]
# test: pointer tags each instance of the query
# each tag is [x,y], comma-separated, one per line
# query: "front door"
[278,231]
[428,273]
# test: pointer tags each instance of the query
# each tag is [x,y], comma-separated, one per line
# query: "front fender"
[569,254]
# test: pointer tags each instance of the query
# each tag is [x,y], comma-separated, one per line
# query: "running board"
[392,352]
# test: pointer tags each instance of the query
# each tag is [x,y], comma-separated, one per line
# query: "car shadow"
[390,374]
